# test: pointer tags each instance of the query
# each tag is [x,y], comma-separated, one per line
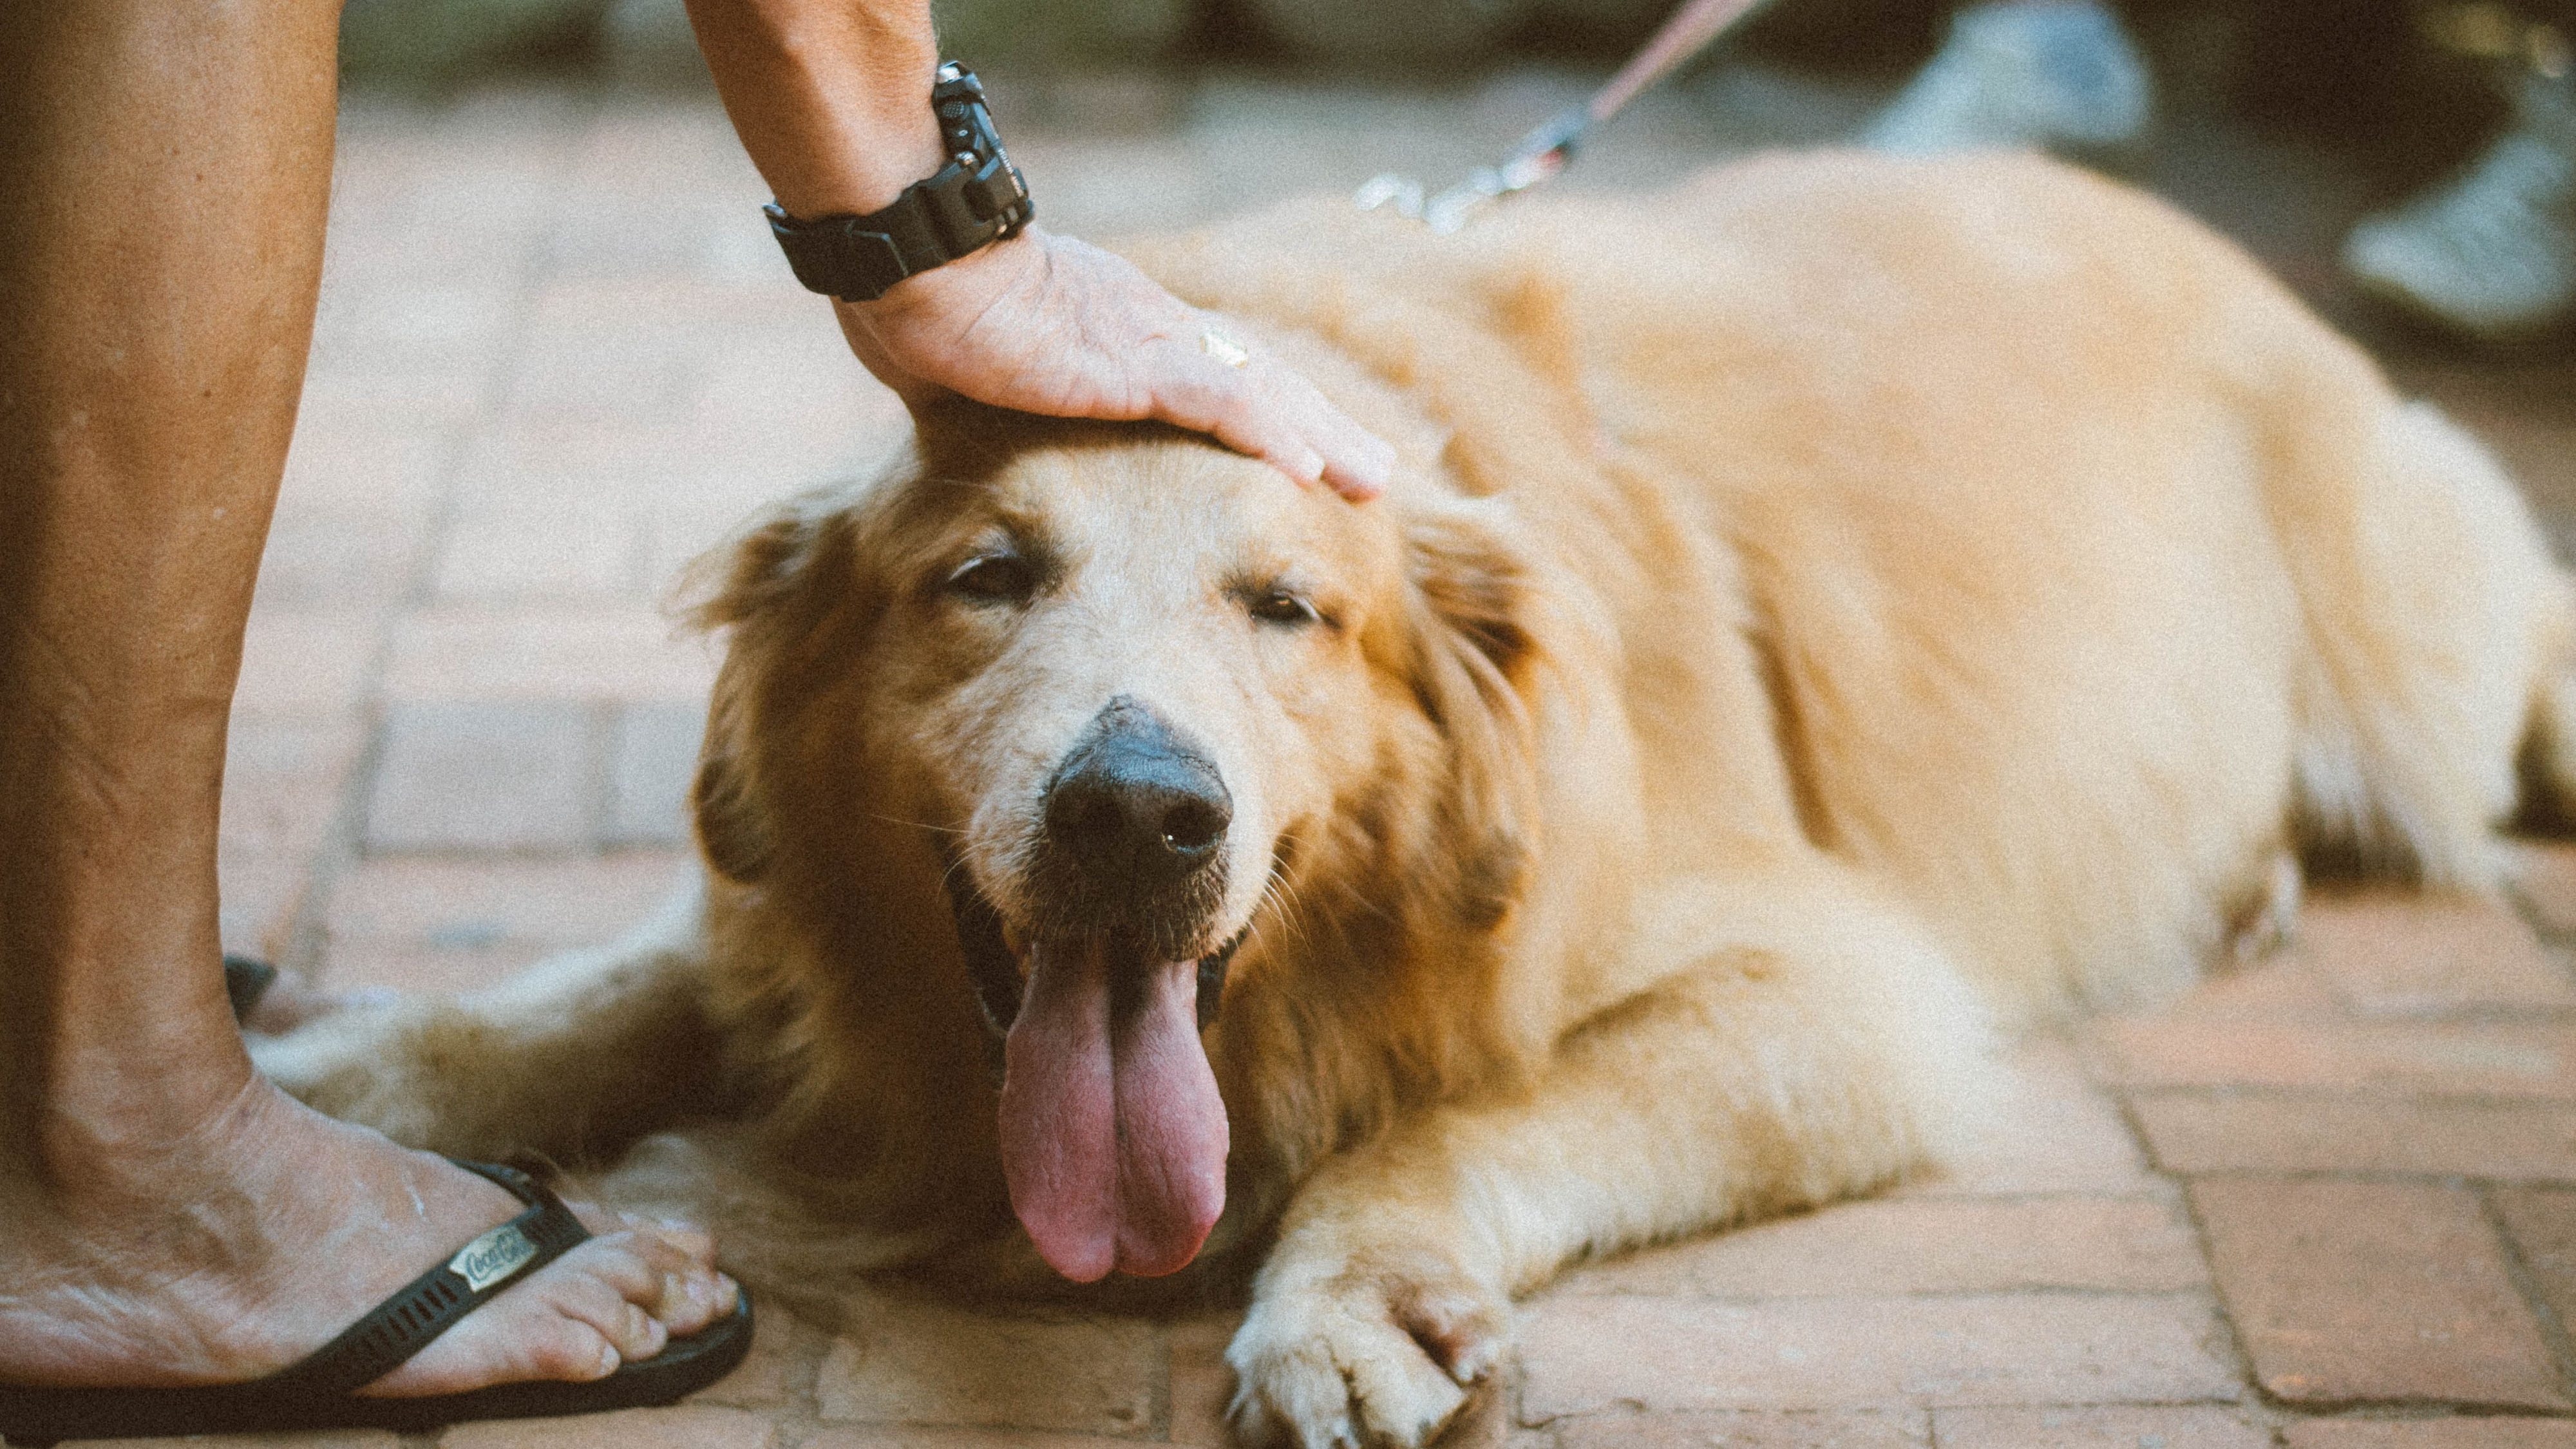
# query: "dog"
[1826,616]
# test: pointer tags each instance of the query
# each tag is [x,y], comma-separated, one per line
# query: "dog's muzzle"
[1132,838]
[1131,846]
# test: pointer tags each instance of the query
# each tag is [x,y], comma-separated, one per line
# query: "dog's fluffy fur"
[1822,612]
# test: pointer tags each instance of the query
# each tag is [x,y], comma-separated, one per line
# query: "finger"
[1357,463]
[1269,410]
[1227,404]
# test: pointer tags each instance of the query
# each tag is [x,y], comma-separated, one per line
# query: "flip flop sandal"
[320,1392]
[246,980]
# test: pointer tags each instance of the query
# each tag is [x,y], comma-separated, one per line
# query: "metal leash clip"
[1543,152]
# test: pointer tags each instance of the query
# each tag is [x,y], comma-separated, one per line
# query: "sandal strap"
[439,1299]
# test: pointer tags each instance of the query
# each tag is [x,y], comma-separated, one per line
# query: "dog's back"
[2088,576]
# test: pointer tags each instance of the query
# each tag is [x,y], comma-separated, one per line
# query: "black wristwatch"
[975,200]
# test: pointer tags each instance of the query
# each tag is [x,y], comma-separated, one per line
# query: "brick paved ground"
[2329,1202]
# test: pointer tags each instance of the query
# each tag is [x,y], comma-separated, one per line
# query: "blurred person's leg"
[166,1216]
[2037,74]
[2491,253]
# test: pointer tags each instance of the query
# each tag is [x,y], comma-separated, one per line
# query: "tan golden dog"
[1821,612]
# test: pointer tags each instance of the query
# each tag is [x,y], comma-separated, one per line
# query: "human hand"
[1046,324]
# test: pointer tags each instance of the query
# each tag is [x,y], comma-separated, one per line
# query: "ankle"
[143,1140]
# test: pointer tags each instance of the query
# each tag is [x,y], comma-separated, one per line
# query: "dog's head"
[1121,692]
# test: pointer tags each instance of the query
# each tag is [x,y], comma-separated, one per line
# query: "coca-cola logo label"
[492,1257]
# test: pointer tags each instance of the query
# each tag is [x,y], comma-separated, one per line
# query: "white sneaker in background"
[2023,73]
[2492,253]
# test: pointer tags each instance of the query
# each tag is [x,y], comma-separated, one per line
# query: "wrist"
[828,98]
[987,269]
[973,198]
[881,155]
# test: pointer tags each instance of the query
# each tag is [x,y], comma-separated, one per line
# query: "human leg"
[165,1215]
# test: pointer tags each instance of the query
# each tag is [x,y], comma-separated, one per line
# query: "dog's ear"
[732,828]
[1475,582]
[771,589]
[1475,656]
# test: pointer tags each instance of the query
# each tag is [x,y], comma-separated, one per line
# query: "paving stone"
[623,349]
[553,549]
[922,1362]
[2544,879]
[431,324]
[1890,1429]
[367,965]
[2541,1224]
[451,330]
[1585,1354]
[305,665]
[2390,955]
[538,456]
[564,901]
[428,924]
[653,757]
[262,894]
[794,372]
[2353,1292]
[778,1371]
[947,1436]
[1202,1384]
[1924,1245]
[311,1439]
[2193,1132]
[512,775]
[349,461]
[318,559]
[2158,1427]
[682,1426]
[2055,1132]
[680,234]
[425,393]
[1486,1420]
[284,779]
[604,653]
[2485,1059]
[679,535]
[2499,1432]
[2284,986]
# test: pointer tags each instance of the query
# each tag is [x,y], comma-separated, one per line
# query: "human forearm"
[832,100]
[830,97]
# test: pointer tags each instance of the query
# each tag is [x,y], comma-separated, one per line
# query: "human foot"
[2492,254]
[238,1249]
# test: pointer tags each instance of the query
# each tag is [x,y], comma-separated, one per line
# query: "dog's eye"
[1283,606]
[1000,577]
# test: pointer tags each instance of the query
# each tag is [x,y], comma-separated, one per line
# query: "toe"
[577,1318]
[520,1336]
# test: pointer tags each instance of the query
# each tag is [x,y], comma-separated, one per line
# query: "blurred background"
[558,354]
[2288,120]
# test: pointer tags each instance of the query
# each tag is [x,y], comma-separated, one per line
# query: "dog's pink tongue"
[1113,1135]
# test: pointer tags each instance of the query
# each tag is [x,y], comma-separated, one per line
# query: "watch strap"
[977,199]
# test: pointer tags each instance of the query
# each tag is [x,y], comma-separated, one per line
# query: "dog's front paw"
[1378,1353]
[349,1065]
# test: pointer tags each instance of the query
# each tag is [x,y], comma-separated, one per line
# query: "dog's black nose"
[1133,800]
